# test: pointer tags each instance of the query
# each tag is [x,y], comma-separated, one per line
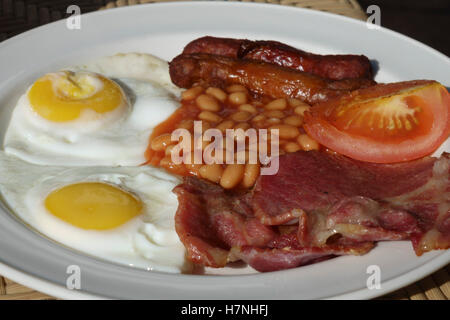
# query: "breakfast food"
[81,117]
[232,108]
[120,214]
[59,172]
[385,123]
[260,78]
[331,206]
[114,159]
[335,67]
[319,204]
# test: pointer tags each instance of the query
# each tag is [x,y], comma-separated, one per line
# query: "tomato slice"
[385,123]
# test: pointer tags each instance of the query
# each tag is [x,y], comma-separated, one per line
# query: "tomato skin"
[322,122]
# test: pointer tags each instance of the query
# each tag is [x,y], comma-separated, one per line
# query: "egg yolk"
[93,205]
[63,96]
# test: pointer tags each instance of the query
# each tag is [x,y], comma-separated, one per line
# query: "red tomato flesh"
[385,123]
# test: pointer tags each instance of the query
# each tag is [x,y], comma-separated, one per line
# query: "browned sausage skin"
[259,77]
[335,67]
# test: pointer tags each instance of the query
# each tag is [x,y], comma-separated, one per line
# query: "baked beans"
[186,124]
[161,142]
[259,117]
[300,110]
[238,98]
[212,172]
[191,93]
[274,114]
[232,175]
[291,147]
[227,124]
[248,108]
[208,103]
[217,93]
[209,116]
[236,88]
[295,121]
[251,173]
[286,131]
[295,102]
[307,143]
[272,121]
[243,125]
[241,116]
[278,104]
[232,108]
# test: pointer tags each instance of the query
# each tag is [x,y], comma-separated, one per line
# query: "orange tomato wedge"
[385,123]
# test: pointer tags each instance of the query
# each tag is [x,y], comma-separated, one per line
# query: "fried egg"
[120,214]
[98,114]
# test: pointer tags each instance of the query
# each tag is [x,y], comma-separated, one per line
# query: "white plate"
[163,30]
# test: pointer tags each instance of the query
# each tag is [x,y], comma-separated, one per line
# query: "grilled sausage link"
[259,77]
[335,67]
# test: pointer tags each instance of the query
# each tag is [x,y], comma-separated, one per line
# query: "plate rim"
[44,286]
[392,284]
[398,282]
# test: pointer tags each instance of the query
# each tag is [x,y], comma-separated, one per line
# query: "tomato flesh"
[385,123]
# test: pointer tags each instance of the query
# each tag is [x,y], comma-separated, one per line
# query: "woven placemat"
[19,16]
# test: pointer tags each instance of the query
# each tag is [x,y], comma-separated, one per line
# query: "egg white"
[139,66]
[148,241]
[118,138]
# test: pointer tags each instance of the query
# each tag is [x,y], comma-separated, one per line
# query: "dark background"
[425,20]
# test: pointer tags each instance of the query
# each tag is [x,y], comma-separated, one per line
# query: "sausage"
[233,48]
[260,78]
[335,67]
